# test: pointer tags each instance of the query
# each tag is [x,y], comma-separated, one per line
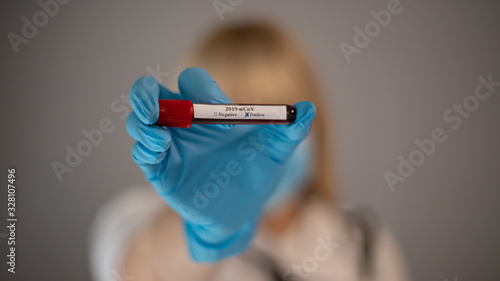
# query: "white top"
[317,246]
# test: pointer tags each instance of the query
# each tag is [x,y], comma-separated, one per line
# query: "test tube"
[183,113]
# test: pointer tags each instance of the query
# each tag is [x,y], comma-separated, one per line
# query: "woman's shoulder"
[116,224]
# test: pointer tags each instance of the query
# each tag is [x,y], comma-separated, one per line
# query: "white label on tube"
[234,111]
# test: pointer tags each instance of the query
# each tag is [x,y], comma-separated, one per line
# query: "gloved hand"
[217,177]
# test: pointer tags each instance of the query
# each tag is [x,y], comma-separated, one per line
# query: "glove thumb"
[298,130]
[197,85]
[282,140]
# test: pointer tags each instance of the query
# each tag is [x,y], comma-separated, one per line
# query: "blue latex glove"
[217,177]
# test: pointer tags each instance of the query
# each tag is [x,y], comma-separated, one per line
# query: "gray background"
[446,215]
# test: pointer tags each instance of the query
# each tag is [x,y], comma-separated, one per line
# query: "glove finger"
[195,84]
[146,157]
[153,137]
[149,161]
[144,96]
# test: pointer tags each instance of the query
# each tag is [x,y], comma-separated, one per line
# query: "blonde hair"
[257,63]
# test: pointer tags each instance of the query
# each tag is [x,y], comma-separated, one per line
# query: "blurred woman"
[303,233]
